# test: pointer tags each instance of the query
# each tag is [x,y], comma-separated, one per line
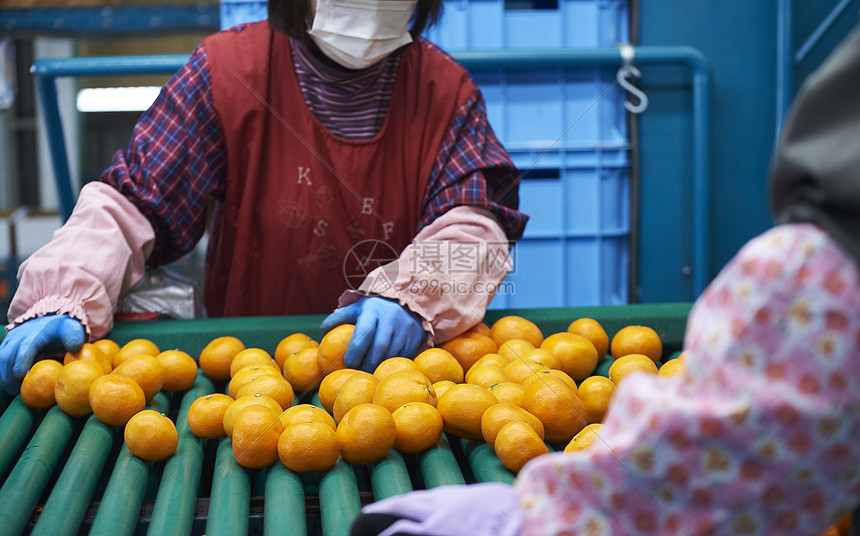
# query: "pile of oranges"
[115,383]
[506,384]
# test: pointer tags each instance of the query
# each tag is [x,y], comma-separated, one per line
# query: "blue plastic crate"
[575,250]
[481,24]
[558,108]
[566,131]
[492,24]
[235,12]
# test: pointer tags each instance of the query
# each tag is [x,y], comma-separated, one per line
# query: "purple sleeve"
[473,168]
[176,159]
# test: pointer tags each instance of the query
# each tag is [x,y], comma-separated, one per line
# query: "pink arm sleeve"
[758,436]
[96,255]
[448,275]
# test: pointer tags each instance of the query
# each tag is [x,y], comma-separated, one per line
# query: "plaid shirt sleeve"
[176,159]
[473,168]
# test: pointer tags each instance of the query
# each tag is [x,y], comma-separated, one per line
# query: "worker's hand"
[477,510]
[24,343]
[383,329]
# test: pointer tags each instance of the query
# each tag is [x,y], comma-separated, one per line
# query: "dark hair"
[290,16]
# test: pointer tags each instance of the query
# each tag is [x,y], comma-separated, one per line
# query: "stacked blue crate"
[235,12]
[566,132]
[498,24]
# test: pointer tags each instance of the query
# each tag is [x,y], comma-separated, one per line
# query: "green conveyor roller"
[63,475]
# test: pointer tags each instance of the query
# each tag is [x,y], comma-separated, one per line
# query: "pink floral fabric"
[761,435]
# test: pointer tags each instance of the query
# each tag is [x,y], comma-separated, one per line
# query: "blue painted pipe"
[47,70]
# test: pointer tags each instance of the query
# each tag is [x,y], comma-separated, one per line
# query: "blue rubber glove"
[490,509]
[24,343]
[383,329]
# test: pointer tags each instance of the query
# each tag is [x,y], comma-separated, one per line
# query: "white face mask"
[358,33]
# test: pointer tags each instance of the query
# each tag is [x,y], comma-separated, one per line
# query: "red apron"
[304,208]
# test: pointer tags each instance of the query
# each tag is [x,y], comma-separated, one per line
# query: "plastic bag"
[162,293]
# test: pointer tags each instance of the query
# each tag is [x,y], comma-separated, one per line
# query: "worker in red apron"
[761,434]
[352,168]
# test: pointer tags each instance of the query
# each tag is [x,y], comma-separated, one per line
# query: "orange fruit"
[305,447]
[596,393]
[516,444]
[252,356]
[366,433]
[441,387]
[331,384]
[133,348]
[302,370]
[271,385]
[469,347]
[241,403]
[491,359]
[592,330]
[673,367]
[544,357]
[509,392]
[89,352]
[108,348]
[515,327]
[631,363]
[842,526]
[584,439]
[557,406]
[72,389]
[114,399]
[357,389]
[501,414]
[293,344]
[399,388]
[37,389]
[206,415]
[393,364]
[248,373]
[332,347]
[540,374]
[576,355]
[307,413]
[515,349]
[637,340]
[180,370]
[480,328]
[462,407]
[419,427]
[256,431]
[39,382]
[146,370]
[151,436]
[519,369]
[217,356]
[438,364]
[485,376]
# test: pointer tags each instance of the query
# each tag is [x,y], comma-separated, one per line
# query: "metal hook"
[628,69]
[633,90]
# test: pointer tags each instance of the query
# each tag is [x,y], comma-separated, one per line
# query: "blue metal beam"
[46,71]
[822,28]
[784,61]
[111,20]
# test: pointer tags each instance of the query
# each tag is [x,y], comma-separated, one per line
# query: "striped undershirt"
[350,104]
